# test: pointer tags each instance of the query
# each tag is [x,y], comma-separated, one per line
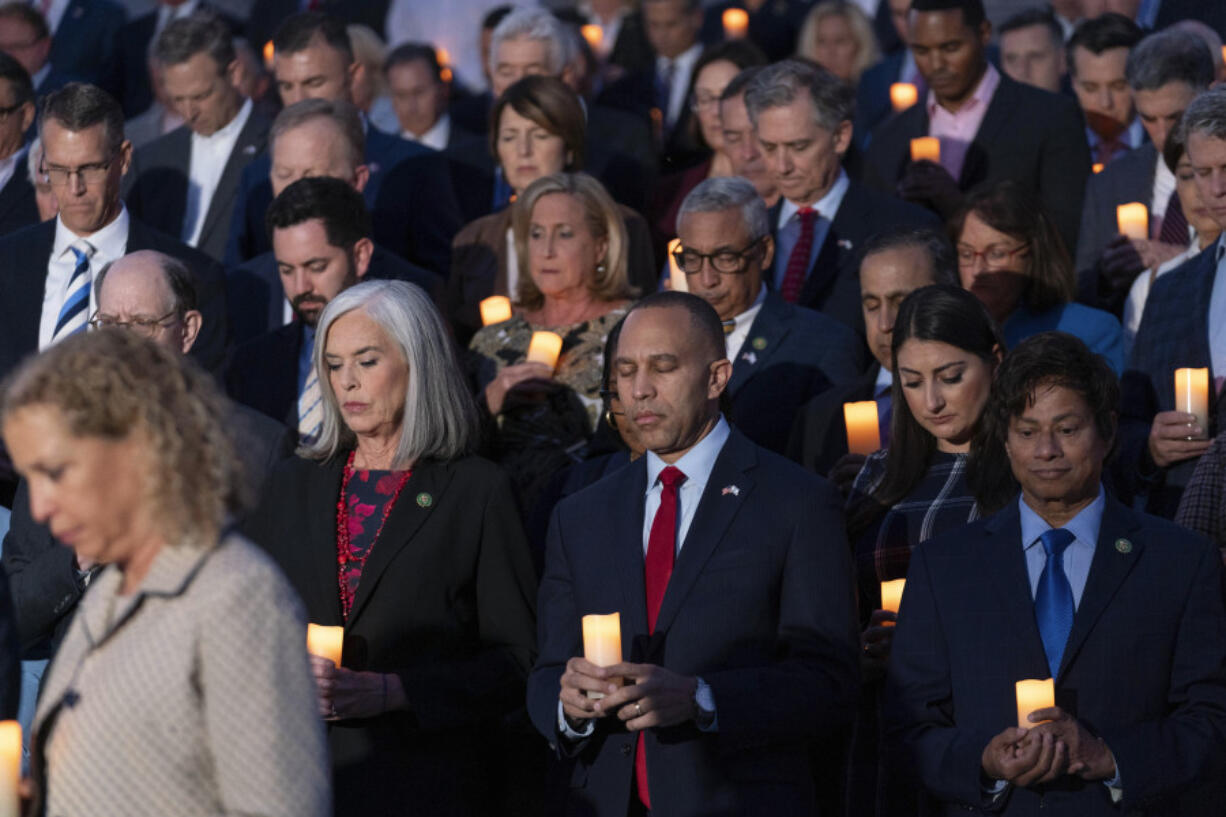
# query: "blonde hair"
[867,53]
[603,219]
[111,384]
[370,50]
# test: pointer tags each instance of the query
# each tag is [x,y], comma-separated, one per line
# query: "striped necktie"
[75,311]
[310,410]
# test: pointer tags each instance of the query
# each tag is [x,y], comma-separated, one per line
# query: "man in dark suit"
[732,578]
[1123,610]
[320,233]
[802,120]
[84,35]
[25,36]
[46,282]
[782,354]
[1165,71]
[409,193]
[893,264]
[1181,327]
[1097,60]
[17,205]
[185,183]
[1032,50]
[1020,132]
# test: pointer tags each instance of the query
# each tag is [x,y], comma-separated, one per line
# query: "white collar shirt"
[209,156]
[683,68]
[109,244]
[735,339]
[437,137]
[787,230]
[696,464]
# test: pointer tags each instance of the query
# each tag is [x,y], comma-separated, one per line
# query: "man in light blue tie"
[1123,610]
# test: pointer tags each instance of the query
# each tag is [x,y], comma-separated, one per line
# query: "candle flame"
[1097,167]
[594,34]
[736,23]
[270,51]
[444,58]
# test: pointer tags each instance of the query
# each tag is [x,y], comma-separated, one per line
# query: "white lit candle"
[736,23]
[1033,695]
[495,309]
[903,95]
[1133,220]
[891,594]
[1192,396]
[926,147]
[863,434]
[10,768]
[545,348]
[602,643]
[326,642]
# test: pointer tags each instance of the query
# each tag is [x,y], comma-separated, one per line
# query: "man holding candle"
[731,576]
[1123,610]
[782,354]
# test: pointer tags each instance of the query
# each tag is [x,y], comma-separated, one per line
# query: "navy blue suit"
[873,95]
[1174,333]
[1144,667]
[790,355]
[759,605]
[84,44]
[262,373]
[412,205]
[17,205]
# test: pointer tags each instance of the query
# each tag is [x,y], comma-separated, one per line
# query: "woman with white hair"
[387,527]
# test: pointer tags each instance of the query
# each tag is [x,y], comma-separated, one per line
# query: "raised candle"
[863,434]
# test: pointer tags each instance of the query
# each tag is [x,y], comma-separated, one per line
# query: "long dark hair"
[943,313]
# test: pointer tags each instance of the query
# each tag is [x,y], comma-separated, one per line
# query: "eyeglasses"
[994,257]
[727,262]
[90,174]
[140,325]
[699,102]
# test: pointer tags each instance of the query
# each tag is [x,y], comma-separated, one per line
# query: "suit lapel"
[837,249]
[1012,582]
[974,168]
[1113,561]
[765,334]
[626,554]
[249,144]
[324,491]
[24,300]
[715,513]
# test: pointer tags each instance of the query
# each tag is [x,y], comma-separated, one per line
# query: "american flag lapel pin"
[730,489]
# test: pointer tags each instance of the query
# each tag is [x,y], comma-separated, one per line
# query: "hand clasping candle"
[1192,396]
[1033,695]
[326,642]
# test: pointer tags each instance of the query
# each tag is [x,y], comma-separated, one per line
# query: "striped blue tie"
[75,311]
[1053,601]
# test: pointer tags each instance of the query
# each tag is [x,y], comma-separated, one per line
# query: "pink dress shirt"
[957,130]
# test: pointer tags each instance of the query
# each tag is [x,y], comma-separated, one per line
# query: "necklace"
[344,557]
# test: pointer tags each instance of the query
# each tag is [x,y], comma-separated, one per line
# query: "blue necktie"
[72,315]
[1053,603]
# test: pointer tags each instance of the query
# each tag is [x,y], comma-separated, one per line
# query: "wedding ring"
[638,709]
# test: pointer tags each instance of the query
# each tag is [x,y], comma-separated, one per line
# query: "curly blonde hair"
[113,383]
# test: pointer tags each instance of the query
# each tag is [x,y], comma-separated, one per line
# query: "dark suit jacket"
[1024,136]
[1144,667]
[790,355]
[678,147]
[1128,178]
[413,209]
[23,279]
[472,172]
[759,605]
[10,654]
[263,373]
[445,602]
[17,206]
[1174,333]
[256,297]
[1172,11]
[84,45]
[267,15]
[873,95]
[833,283]
[43,572]
[632,51]
[159,179]
[773,27]
[819,434]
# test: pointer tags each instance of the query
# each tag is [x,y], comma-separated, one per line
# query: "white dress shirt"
[436,137]
[55,13]
[109,243]
[696,464]
[166,14]
[209,157]
[787,231]
[1134,306]
[683,69]
[7,166]
[1164,186]
[735,339]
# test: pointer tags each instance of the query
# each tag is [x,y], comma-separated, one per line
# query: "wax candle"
[545,348]
[903,95]
[736,23]
[891,594]
[926,147]
[863,434]
[326,642]
[1033,695]
[676,276]
[495,309]
[444,57]
[10,768]
[1133,220]
[602,643]
[1192,396]
[594,35]
[1097,167]
[270,51]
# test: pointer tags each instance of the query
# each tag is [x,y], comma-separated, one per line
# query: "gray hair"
[199,33]
[534,24]
[1169,56]
[34,160]
[1206,114]
[440,418]
[780,84]
[345,116]
[178,278]
[725,193]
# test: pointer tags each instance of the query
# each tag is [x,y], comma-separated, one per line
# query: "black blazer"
[833,283]
[445,602]
[263,373]
[819,433]
[84,44]
[17,205]
[23,278]
[1027,135]
[157,184]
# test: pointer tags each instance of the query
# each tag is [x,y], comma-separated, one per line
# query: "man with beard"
[320,234]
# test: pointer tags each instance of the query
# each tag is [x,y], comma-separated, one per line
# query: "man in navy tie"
[1123,610]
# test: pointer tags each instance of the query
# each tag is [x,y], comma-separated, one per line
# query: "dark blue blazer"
[759,605]
[790,355]
[17,205]
[23,278]
[1174,333]
[873,95]
[413,208]
[262,373]
[1144,667]
[85,43]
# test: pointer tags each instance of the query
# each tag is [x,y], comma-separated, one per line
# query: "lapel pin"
[759,343]
[730,489]
[249,150]
[425,500]
[844,244]
[1123,546]
[749,356]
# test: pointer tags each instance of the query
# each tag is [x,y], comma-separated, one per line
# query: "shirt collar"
[1085,525]
[110,242]
[40,75]
[746,318]
[1220,248]
[231,130]
[984,91]
[885,379]
[684,60]
[436,137]
[827,206]
[698,462]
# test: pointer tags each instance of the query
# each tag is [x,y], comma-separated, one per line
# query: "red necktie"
[1174,223]
[798,261]
[661,553]
[1106,149]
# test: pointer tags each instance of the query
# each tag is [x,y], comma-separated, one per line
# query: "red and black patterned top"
[367,497]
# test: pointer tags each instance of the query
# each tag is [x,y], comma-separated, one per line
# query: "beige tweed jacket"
[192,696]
